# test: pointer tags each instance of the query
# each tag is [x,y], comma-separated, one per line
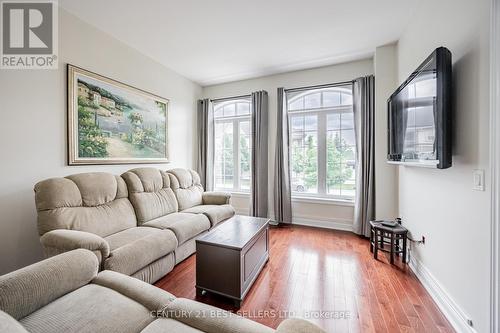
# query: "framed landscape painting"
[112,123]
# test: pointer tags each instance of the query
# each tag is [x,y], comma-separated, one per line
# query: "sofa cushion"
[128,236]
[138,247]
[92,202]
[92,308]
[215,213]
[297,325]
[210,319]
[164,325]
[187,187]
[185,226]
[150,193]
[157,269]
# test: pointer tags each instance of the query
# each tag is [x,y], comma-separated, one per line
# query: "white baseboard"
[312,221]
[327,223]
[455,315]
[242,211]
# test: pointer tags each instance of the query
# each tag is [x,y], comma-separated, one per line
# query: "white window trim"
[495,165]
[323,200]
[322,113]
[239,194]
[235,120]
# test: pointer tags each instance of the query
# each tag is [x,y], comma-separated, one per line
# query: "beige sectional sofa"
[66,293]
[140,224]
[192,199]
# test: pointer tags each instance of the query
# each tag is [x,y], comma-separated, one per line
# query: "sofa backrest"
[30,288]
[187,187]
[150,193]
[92,202]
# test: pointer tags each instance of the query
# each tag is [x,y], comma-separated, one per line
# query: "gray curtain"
[364,127]
[205,143]
[259,154]
[282,188]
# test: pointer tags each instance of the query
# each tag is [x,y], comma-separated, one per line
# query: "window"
[322,142]
[233,145]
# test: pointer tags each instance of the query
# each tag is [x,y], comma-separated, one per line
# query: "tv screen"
[420,115]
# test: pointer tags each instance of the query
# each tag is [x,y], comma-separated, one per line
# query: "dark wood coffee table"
[230,257]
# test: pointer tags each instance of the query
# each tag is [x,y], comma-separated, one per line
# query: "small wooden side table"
[381,235]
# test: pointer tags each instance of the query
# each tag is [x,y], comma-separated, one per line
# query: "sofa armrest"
[296,325]
[153,298]
[28,289]
[210,319]
[62,240]
[9,324]
[216,198]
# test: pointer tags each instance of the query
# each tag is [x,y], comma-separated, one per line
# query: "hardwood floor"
[330,278]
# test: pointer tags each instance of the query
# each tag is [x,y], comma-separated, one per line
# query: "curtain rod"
[229,98]
[336,84]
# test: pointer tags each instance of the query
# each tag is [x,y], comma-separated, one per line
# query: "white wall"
[320,214]
[33,126]
[386,175]
[441,204]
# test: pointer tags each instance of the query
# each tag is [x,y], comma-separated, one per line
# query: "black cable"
[415,241]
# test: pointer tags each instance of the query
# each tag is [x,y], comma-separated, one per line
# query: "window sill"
[236,193]
[302,199]
[324,201]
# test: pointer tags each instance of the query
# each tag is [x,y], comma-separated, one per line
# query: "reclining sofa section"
[85,300]
[140,224]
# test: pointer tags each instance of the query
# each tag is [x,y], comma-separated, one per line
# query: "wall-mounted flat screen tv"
[420,115]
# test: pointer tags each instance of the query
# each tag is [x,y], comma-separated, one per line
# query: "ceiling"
[216,41]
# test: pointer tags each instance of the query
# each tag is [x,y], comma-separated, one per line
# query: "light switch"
[478,180]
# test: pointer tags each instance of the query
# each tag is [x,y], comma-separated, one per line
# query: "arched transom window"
[233,144]
[322,142]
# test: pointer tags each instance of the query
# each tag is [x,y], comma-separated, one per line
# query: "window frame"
[236,121]
[322,114]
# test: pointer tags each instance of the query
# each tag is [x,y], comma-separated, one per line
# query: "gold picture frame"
[110,122]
